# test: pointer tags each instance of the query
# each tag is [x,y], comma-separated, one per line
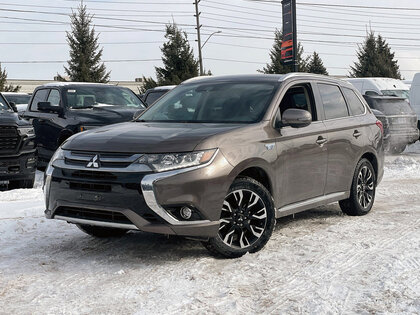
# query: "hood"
[146,137]
[102,115]
[10,118]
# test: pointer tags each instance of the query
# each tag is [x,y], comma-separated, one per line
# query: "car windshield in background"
[3,104]
[18,99]
[392,107]
[398,93]
[225,102]
[82,97]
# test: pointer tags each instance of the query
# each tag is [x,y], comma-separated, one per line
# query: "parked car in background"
[151,95]
[17,149]
[401,118]
[20,100]
[415,96]
[381,86]
[219,159]
[59,110]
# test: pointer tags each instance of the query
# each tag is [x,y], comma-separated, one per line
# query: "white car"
[20,100]
[381,87]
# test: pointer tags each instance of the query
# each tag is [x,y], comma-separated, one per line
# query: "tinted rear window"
[334,103]
[355,104]
[390,106]
[153,96]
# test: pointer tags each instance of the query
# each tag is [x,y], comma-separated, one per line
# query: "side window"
[355,104]
[301,97]
[334,103]
[153,96]
[39,96]
[54,98]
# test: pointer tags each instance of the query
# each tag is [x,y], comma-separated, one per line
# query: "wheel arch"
[371,157]
[258,170]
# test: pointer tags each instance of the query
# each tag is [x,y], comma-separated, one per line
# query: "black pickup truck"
[17,149]
[60,110]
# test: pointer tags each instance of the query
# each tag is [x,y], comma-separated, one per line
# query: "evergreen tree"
[148,83]
[276,65]
[315,65]
[3,83]
[389,66]
[178,59]
[85,56]
[375,59]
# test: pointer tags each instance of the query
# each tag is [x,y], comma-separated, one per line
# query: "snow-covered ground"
[321,261]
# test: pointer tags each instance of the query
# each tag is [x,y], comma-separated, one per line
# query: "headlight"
[171,161]
[26,131]
[58,155]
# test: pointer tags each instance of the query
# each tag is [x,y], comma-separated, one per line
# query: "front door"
[302,151]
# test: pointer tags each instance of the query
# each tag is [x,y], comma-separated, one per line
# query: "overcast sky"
[243,45]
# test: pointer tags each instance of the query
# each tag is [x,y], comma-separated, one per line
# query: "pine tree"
[276,65]
[148,83]
[315,65]
[85,56]
[3,83]
[178,59]
[389,66]
[375,59]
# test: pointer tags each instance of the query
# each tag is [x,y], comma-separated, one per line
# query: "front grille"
[94,215]
[108,160]
[90,187]
[9,139]
[95,175]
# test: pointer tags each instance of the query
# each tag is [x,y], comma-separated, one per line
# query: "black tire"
[24,183]
[397,148]
[100,231]
[362,192]
[255,222]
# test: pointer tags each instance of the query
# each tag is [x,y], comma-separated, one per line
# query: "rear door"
[302,151]
[345,135]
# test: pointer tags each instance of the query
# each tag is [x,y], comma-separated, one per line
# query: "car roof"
[14,93]
[163,87]
[268,78]
[67,84]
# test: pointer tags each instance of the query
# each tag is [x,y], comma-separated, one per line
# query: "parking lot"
[320,261]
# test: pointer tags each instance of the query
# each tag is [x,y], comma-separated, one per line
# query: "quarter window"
[39,96]
[334,103]
[54,98]
[355,104]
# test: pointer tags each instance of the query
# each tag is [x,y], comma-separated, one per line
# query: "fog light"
[186,213]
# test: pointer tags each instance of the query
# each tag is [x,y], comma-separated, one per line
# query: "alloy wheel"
[365,187]
[243,219]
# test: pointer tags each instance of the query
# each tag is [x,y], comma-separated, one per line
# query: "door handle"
[357,134]
[321,140]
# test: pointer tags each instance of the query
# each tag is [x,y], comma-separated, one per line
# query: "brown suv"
[218,159]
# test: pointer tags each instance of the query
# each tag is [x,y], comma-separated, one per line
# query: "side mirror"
[13,106]
[137,114]
[46,107]
[296,118]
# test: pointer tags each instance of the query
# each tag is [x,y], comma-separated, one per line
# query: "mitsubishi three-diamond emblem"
[94,162]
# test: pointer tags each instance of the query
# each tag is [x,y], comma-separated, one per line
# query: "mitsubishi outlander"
[218,159]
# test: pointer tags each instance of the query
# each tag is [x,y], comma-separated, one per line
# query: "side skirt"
[310,203]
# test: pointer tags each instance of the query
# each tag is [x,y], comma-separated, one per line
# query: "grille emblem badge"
[94,162]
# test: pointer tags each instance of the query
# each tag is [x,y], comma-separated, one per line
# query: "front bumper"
[18,167]
[140,200]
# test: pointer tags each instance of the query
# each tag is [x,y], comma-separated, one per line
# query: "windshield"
[18,99]
[227,102]
[3,104]
[398,93]
[392,107]
[81,97]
